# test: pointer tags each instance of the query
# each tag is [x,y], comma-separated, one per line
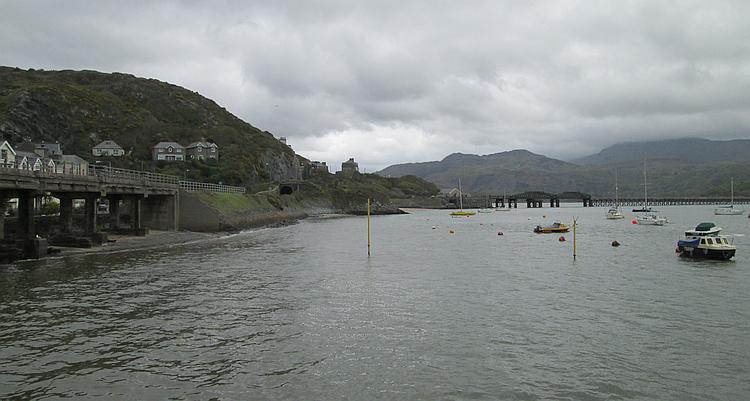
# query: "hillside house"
[48,150]
[168,151]
[318,167]
[73,165]
[31,161]
[202,150]
[350,166]
[108,148]
[7,155]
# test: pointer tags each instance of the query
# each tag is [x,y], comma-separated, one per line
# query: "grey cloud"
[563,78]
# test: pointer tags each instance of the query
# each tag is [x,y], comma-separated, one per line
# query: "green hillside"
[80,109]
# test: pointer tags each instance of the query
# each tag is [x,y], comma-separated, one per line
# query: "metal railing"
[193,186]
[141,177]
[159,180]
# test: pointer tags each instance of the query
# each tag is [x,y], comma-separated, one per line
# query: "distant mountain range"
[689,167]
[692,149]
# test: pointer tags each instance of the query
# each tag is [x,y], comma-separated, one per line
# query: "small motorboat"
[651,219]
[556,227]
[614,213]
[705,242]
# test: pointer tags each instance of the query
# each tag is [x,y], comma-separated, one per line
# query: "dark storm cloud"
[391,82]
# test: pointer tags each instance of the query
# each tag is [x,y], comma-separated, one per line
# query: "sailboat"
[649,216]
[729,210]
[614,212]
[461,212]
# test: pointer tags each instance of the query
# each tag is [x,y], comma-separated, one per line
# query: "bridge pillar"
[91,225]
[160,212]
[114,212]
[3,199]
[26,215]
[66,213]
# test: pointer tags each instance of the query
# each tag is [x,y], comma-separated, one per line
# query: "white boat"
[648,217]
[461,212]
[614,212]
[705,242]
[729,210]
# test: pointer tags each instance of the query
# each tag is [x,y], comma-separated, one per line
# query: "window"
[703,241]
[709,241]
[200,149]
[4,154]
[170,149]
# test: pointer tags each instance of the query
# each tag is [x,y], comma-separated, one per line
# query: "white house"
[7,155]
[108,148]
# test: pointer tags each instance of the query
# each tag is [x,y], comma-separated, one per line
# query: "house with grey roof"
[168,151]
[7,155]
[108,148]
[32,161]
[73,165]
[202,150]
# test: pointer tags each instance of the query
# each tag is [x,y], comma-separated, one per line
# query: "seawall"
[213,212]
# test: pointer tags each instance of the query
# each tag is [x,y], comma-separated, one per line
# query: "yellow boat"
[462,213]
[554,228]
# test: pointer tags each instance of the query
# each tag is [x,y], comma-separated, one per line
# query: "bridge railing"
[142,177]
[162,180]
[193,186]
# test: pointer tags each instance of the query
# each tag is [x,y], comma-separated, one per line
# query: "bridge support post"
[66,213]
[114,212]
[136,216]
[26,215]
[91,213]
[3,199]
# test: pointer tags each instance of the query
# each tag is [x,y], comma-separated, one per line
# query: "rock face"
[79,109]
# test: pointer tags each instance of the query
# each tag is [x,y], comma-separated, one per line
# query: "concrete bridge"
[136,201]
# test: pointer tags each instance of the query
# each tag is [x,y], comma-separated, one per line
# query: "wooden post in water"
[368,227]
[574,239]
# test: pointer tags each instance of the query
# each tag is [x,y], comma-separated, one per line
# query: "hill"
[688,149]
[79,109]
[521,170]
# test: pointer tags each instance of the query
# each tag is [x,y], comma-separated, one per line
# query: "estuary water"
[301,312]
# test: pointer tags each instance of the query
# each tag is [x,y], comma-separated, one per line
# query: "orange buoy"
[561,239]
[634,221]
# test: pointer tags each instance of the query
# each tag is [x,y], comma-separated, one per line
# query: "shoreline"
[159,239]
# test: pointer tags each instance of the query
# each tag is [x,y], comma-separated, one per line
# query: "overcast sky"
[402,81]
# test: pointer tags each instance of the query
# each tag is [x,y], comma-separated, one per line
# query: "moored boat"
[556,227]
[705,242]
[729,210]
[614,213]
[461,212]
[651,219]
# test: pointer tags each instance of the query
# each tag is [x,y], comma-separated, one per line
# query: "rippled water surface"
[301,313]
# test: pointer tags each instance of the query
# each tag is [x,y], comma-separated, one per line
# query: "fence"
[192,186]
[155,179]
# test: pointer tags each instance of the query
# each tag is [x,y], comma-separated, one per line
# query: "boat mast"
[617,199]
[460,195]
[731,199]
[645,187]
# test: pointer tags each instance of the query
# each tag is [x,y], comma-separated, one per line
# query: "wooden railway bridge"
[537,199]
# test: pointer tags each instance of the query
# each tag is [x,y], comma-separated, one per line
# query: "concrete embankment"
[213,212]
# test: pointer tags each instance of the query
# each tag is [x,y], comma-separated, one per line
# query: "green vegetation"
[233,202]
[80,109]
